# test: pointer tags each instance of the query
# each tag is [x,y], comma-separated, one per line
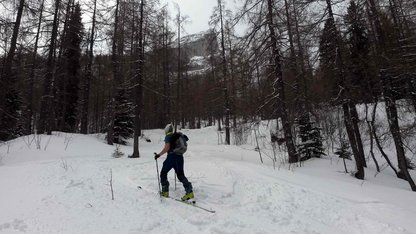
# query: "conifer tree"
[363,85]
[124,118]
[311,145]
[72,54]
[344,152]
[332,55]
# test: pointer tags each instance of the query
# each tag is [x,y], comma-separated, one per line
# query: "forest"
[118,67]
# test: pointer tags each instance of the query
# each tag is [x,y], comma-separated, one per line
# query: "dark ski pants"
[176,162]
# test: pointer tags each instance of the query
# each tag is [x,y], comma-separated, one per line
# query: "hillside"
[63,187]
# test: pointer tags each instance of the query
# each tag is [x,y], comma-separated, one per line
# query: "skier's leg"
[168,164]
[181,174]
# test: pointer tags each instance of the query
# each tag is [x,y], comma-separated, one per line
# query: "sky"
[198,11]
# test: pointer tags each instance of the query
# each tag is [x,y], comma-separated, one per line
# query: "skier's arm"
[165,149]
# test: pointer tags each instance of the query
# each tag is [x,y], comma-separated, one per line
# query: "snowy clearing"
[64,187]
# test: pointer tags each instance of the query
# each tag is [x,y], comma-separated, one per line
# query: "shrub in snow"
[344,150]
[117,153]
[241,133]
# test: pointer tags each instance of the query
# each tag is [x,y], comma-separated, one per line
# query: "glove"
[156,156]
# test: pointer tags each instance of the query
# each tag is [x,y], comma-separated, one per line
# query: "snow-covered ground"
[64,187]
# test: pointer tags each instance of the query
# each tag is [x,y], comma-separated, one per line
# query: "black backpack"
[178,143]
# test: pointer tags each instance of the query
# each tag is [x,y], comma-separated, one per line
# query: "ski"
[190,203]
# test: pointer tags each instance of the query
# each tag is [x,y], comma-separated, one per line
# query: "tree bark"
[278,85]
[138,87]
[30,107]
[225,78]
[115,70]
[88,76]
[353,141]
[355,120]
[380,148]
[46,119]
[178,84]
[8,113]
[370,129]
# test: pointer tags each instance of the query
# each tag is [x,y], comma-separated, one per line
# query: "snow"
[198,61]
[64,187]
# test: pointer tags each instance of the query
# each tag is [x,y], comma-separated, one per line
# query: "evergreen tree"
[311,139]
[124,118]
[363,86]
[72,54]
[344,150]
[327,61]
[332,51]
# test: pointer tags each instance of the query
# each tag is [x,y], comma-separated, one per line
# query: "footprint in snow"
[17,224]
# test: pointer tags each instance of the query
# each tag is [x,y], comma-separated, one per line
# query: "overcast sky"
[198,11]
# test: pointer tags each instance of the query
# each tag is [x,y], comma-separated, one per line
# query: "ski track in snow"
[71,194]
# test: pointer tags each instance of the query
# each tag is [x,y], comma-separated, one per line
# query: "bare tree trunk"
[355,119]
[232,76]
[46,109]
[301,59]
[293,65]
[115,68]
[370,129]
[7,68]
[29,114]
[138,86]
[166,84]
[353,141]
[225,79]
[88,76]
[178,84]
[61,77]
[279,87]
[8,117]
[374,133]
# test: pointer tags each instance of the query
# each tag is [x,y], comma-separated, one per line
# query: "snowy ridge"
[190,38]
[65,189]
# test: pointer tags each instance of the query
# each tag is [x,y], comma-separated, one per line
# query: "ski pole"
[158,179]
[175,173]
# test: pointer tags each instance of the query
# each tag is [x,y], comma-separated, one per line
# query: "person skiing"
[173,144]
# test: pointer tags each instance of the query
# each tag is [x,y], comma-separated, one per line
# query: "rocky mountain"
[197,48]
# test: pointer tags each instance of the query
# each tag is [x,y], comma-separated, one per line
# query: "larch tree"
[139,55]
[9,98]
[88,74]
[72,54]
[46,119]
[278,85]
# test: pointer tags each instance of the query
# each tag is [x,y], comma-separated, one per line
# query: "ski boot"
[164,194]
[188,196]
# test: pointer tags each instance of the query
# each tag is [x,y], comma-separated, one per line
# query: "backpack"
[178,144]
